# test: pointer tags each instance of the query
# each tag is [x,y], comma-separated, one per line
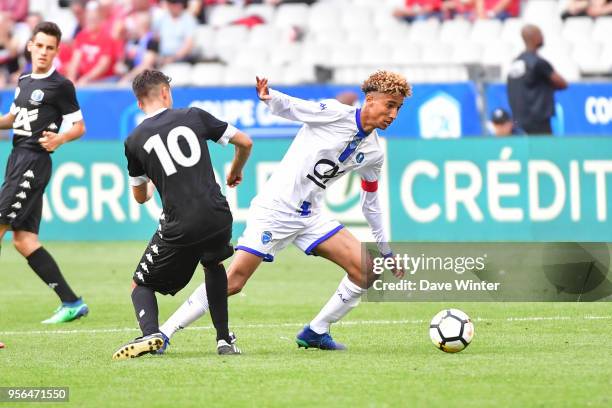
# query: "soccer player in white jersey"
[334,140]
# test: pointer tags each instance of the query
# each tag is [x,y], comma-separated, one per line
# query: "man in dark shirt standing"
[532,82]
[169,151]
[43,100]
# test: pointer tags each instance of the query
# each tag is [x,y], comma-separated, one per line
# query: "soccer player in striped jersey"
[334,140]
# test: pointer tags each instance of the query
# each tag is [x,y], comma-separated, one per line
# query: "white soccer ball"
[451,330]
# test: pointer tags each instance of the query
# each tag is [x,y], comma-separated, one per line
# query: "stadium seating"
[348,35]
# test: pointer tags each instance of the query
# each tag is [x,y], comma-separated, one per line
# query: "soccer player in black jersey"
[42,100]
[169,151]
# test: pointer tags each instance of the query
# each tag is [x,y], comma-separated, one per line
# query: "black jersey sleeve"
[212,128]
[135,169]
[68,104]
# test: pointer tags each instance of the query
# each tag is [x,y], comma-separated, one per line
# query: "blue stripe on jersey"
[353,144]
[361,132]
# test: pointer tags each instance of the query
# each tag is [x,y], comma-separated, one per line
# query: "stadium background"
[445,178]
[465,190]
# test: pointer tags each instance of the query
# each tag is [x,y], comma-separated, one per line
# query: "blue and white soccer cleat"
[309,338]
[163,348]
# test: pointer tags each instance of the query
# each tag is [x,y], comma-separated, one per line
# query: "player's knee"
[233,288]
[3,229]
[234,285]
[235,281]
[25,245]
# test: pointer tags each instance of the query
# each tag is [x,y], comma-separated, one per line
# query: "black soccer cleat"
[224,348]
[140,346]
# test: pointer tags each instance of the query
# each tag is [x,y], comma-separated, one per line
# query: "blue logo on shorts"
[359,158]
[266,237]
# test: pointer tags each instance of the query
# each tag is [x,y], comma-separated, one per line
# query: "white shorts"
[268,231]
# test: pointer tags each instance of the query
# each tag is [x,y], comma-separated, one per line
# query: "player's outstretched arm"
[6,121]
[372,210]
[296,109]
[243,145]
[51,140]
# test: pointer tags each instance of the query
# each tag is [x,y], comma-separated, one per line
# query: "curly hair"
[387,82]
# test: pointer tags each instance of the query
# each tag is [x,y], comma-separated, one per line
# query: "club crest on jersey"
[266,237]
[359,158]
[36,97]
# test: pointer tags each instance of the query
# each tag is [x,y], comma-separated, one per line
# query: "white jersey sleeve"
[304,111]
[371,208]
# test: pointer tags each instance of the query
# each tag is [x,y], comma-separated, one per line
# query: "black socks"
[216,290]
[45,267]
[145,306]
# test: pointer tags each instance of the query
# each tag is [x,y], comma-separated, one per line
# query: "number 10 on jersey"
[173,153]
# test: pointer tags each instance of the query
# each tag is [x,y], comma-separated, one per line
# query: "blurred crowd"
[449,9]
[116,39]
[488,9]
[113,40]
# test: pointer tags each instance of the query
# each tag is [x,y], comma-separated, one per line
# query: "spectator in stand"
[176,29]
[9,51]
[78,8]
[64,56]
[23,30]
[419,10]
[23,34]
[482,9]
[93,57]
[600,8]
[141,49]
[502,124]
[113,13]
[576,8]
[532,82]
[137,6]
[499,9]
[17,9]
[458,8]
[278,2]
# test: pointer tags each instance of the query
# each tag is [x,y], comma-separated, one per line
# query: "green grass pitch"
[523,354]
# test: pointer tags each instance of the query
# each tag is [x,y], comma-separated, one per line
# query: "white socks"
[190,311]
[347,296]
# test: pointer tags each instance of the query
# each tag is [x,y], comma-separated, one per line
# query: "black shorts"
[21,196]
[168,269]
